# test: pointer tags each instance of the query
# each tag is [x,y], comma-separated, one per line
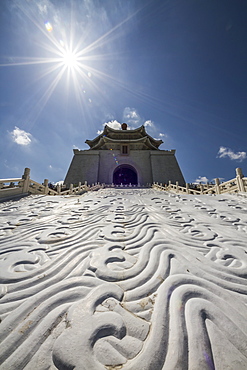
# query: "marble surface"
[124,279]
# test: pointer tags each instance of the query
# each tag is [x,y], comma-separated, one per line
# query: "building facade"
[124,157]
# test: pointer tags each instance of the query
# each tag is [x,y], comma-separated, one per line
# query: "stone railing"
[236,185]
[15,186]
[22,186]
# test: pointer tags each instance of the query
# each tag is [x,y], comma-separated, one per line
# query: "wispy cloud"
[53,168]
[132,117]
[10,167]
[21,137]
[227,152]
[161,136]
[42,8]
[149,123]
[201,180]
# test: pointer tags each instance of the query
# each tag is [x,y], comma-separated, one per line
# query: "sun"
[70,59]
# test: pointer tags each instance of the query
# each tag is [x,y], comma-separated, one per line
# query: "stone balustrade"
[13,187]
[22,186]
[236,185]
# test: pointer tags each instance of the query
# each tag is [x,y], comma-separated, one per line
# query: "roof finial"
[124,126]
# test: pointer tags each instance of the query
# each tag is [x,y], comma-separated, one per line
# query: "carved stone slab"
[124,279]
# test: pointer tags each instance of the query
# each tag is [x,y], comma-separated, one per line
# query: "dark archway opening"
[125,175]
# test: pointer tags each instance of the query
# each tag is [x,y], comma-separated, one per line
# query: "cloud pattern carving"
[124,278]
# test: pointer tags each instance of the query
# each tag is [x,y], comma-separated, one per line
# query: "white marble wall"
[99,165]
[121,278]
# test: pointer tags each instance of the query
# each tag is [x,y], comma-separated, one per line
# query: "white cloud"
[227,152]
[59,182]
[21,137]
[113,124]
[201,179]
[149,123]
[133,120]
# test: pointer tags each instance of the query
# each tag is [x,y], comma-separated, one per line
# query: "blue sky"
[68,67]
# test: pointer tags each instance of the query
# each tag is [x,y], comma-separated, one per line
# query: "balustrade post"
[239,179]
[46,186]
[58,189]
[26,178]
[187,188]
[217,187]
[71,189]
[201,188]
[177,186]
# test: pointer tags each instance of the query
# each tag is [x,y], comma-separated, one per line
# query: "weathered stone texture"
[84,167]
[165,167]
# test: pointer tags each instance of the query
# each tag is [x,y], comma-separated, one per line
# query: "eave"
[100,140]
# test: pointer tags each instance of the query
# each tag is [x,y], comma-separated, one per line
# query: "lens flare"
[48,26]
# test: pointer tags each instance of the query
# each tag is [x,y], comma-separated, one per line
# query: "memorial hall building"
[124,157]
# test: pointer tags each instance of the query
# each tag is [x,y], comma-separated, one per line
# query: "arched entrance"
[125,174]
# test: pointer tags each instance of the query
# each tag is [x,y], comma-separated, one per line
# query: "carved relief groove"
[123,278]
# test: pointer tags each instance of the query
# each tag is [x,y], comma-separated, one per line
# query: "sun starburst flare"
[64,55]
[70,59]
